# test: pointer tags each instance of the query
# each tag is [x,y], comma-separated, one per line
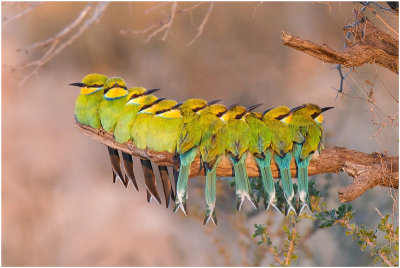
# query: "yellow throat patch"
[287,119]
[89,90]
[319,119]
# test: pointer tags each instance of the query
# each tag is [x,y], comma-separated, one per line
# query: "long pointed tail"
[115,162]
[186,160]
[150,180]
[268,180]
[210,191]
[302,181]
[242,182]
[287,184]
[167,187]
[128,164]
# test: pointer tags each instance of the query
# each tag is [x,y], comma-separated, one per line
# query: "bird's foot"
[180,203]
[239,201]
[210,214]
[289,207]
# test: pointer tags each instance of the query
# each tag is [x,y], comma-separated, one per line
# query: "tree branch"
[368,170]
[370,45]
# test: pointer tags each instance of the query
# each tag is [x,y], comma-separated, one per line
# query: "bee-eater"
[306,122]
[237,144]
[140,128]
[138,98]
[187,149]
[87,103]
[114,100]
[259,146]
[277,120]
[211,147]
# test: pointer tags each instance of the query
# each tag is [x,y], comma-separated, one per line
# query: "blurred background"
[59,205]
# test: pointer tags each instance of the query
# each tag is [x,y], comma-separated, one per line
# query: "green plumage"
[86,109]
[122,132]
[88,102]
[281,144]
[304,125]
[237,144]
[191,136]
[144,124]
[110,113]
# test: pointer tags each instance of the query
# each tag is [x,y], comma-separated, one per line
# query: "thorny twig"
[292,242]
[22,14]
[54,43]
[347,225]
[165,25]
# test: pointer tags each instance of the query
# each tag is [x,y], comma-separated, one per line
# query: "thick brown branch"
[370,45]
[368,170]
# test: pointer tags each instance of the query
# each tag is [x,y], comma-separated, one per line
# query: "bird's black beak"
[149,105]
[297,108]
[212,102]
[148,92]
[251,108]
[176,106]
[78,84]
[266,111]
[232,106]
[326,109]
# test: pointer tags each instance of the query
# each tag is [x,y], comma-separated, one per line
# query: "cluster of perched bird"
[211,130]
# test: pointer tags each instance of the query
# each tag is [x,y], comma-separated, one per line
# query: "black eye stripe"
[314,115]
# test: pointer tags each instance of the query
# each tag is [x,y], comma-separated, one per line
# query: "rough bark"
[368,170]
[370,45]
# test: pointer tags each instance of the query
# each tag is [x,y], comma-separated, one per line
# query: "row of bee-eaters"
[209,129]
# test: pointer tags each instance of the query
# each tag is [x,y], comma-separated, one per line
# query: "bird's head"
[311,110]
[169,109]
[91,83]
[234,111]
[281,113]
[115,88]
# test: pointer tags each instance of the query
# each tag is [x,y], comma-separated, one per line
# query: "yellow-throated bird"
[306,123]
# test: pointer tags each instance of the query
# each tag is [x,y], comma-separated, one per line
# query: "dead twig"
[22,14]
[203,23]
[54,43]
[166,24]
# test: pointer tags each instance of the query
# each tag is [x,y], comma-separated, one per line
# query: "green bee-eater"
[114,100]
[211,147]
[87,112]
[139,132]
[187,147]
[237,144]
[306,122]
[277,120]
[88,102]
[138,98]
[259,146]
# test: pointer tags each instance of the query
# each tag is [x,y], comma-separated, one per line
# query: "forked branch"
[370,45]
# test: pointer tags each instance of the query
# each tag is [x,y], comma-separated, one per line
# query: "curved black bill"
[176,106]
[326,109]
[213,102]
[233,106]
[251,108]
[78,84]
[297,108]
[148,92]
[266,111]
[149,105]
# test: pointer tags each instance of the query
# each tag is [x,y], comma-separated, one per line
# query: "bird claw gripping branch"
[211,130]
